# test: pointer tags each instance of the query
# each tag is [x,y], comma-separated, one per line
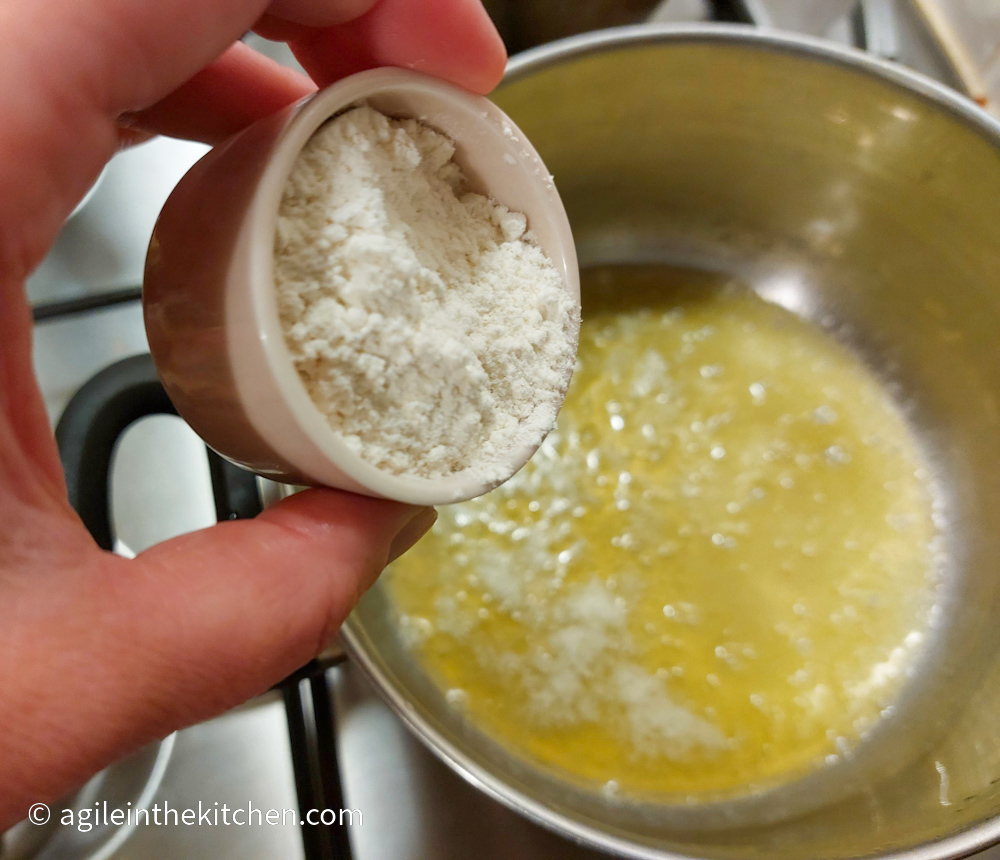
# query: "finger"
[127,651]
[265,596]
[129,137]
[68,69]
[450,39]
[319,13]
[226,96]
[280,29]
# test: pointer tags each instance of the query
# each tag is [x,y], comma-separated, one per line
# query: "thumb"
[262,597]
[125,651]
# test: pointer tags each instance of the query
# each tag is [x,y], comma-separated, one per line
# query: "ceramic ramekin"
[210,302]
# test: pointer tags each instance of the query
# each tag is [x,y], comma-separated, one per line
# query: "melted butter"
[715,573]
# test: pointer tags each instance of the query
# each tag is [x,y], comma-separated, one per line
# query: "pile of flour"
[425,322]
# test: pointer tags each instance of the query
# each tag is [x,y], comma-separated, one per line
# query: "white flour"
[427,325]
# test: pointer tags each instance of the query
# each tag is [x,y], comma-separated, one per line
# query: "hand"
[99,654]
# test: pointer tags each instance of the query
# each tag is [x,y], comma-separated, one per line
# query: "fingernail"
[411,533]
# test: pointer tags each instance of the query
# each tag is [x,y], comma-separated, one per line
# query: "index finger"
[71,67]
[450,39]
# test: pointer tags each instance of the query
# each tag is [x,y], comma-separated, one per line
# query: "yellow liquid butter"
[716,573]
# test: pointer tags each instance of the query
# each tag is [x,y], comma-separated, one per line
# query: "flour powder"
[424,320]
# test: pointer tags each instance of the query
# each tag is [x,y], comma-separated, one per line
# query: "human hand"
[100,654]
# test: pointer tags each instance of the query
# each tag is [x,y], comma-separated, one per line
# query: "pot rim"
[958,845]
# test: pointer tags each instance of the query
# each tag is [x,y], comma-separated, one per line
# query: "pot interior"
[873,209]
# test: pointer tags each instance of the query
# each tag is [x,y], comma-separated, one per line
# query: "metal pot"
[865,197]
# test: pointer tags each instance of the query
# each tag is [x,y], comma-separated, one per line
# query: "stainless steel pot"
[863,196]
